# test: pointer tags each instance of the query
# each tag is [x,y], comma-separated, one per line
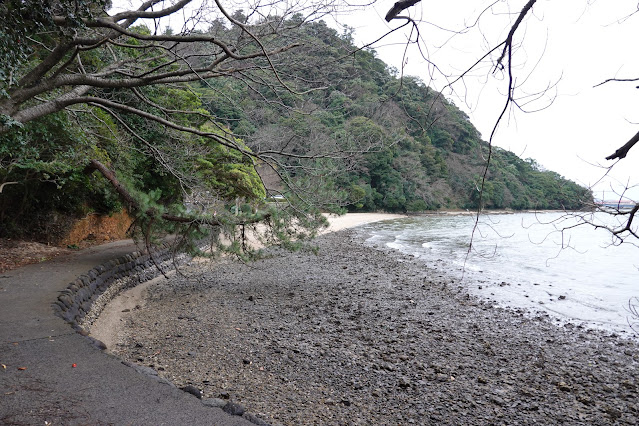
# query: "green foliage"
[228,172]
[518,184]
[423,152]
[398,145]
[23,19]
[47,158]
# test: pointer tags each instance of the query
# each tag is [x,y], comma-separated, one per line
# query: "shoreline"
[352,220]
[362,336]
[108,325]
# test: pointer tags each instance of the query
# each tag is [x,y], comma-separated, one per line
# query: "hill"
[424,153]
[326,125]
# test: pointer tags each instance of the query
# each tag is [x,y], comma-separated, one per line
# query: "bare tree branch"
[399,7]
[509,39]
[5,184]
[142,11]
[616,80]
[623,151]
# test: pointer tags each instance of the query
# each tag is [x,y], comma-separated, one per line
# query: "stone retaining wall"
[84,299]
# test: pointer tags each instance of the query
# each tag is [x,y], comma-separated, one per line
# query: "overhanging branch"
[196,220]
[399,7]
[5,184]
[509,40]
[623,151]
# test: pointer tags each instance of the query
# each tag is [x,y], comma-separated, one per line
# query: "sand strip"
[108,326]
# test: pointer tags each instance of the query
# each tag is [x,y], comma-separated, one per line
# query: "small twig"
[5,184]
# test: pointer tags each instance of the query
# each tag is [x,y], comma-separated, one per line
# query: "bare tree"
[501,60]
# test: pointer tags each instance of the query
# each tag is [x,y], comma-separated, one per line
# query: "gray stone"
[254,419]
[234,409]
[214,402]
[192,390]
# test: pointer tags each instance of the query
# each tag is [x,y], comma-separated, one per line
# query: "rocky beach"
[363,335]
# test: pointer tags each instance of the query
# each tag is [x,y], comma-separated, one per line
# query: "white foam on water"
[521,260]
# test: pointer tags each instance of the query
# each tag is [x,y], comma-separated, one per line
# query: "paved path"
[40,384]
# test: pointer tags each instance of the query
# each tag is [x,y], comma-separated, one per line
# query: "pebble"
[234,409]
[214,402]
[192,390]
[355,335]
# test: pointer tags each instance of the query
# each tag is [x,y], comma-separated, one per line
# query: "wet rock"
[496,400]
[584,399]
[564,386]
[254,419]
[442,377]
[404,382]
[613,412]
[628,385]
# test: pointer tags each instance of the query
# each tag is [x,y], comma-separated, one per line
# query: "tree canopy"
[83,90]
[194,130]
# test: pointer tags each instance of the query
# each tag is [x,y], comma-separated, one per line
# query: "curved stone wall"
[85,298]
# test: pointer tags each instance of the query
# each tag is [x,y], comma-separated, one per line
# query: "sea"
[548,262]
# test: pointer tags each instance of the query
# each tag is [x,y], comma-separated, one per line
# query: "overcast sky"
[569,45]
[572,45]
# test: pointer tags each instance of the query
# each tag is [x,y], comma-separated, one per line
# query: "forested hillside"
[323,124]
[425,153]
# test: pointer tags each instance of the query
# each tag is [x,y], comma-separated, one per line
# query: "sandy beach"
[351,220]
[362,335]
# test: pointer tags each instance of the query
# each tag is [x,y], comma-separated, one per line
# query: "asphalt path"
[52,375]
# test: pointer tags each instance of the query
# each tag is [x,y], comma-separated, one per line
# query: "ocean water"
[537,261]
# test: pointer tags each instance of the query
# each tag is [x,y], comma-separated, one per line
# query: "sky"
[569,46]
